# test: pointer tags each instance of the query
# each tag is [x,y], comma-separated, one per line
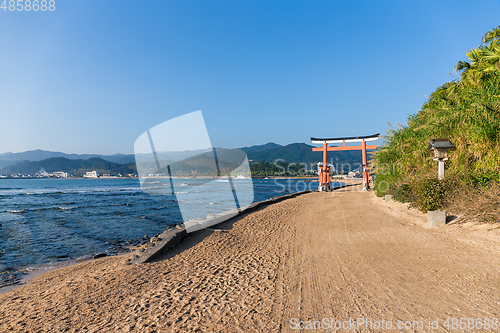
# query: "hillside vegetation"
[466,111]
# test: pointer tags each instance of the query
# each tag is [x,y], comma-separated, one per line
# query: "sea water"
[45,221]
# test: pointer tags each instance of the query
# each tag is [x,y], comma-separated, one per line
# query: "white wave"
[16,211]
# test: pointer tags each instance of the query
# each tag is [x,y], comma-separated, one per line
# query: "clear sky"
[93,75]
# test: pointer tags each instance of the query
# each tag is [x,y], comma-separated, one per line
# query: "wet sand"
[341,256]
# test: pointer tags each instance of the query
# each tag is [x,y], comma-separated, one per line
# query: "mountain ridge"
[39,155]
[78,164]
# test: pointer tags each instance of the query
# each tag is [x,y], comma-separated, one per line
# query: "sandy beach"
[341,256]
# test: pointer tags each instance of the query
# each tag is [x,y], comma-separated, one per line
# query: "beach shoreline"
[308,257]
[44,268]
[66,211]
[342,254]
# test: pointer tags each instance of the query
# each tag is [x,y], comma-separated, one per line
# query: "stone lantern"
[440,147]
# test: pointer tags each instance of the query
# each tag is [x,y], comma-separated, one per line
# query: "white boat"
[240,177]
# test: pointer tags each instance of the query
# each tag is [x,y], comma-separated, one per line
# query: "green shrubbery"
[425,194]
[484,179]
[404,193]
[429,194]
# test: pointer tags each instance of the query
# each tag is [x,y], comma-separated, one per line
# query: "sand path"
[342,256]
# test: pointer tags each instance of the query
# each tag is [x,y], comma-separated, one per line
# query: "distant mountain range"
[302,153]
[39,155]
[77,164]
[257,148]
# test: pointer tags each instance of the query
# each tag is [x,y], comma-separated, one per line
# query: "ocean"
[44,222]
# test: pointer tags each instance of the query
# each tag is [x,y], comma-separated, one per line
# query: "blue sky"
[93,75]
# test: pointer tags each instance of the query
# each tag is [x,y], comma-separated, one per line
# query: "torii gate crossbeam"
[324,172]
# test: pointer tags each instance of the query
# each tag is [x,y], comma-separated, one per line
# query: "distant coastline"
[312,178]
[62,178]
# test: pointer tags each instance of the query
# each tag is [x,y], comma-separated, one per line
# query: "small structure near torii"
[324,170]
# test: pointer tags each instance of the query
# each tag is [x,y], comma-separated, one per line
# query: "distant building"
[61,174]
[354,174]
[91,174]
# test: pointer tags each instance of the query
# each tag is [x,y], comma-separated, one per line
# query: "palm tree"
[492,36]
[471,71]
[491,56]
[483,60]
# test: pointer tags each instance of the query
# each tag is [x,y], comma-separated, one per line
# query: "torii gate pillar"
[324,171]
[366,176]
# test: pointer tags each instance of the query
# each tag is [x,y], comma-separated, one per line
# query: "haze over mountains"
[39,155]
[35,160]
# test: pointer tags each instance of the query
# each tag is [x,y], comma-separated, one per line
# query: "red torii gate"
[324,171]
